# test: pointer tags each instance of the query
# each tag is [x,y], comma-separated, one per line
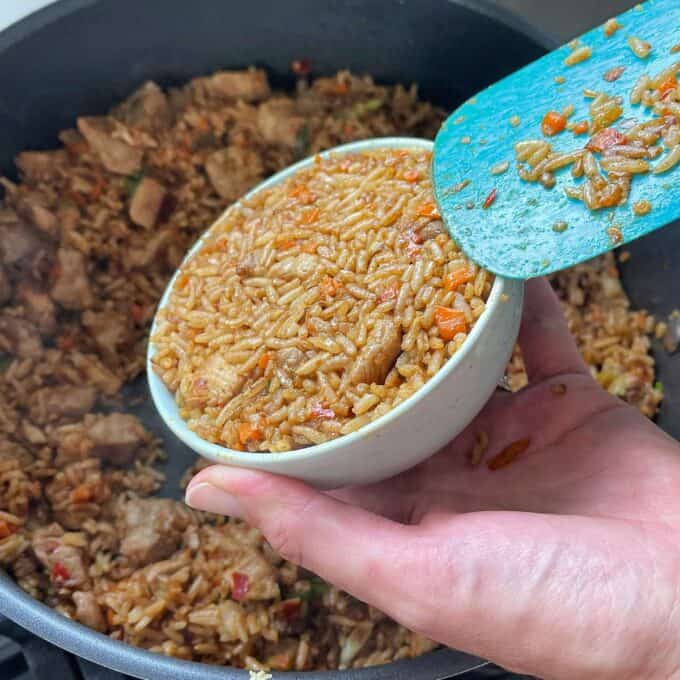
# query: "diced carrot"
[7,529]
[309,247]
[450,322]
[264,361]
[458,277]
[411,175]
[182,281]
[391,292]
[605,139]
[341,87]
[580,128]
[311,216]
[303,194]
[668,84]
[286,244]
[428,210]
[248,434]
[488,201]
[203,124]
[553,123]
[509,454]
[330,287]
[98,188]
[83,493]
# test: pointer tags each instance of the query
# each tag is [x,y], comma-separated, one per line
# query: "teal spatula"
[521,229]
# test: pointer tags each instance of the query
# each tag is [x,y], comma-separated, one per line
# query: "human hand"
[564,564]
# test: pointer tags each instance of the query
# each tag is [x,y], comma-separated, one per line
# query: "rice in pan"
[89,238]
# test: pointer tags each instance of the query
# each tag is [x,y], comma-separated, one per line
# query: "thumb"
[352,548]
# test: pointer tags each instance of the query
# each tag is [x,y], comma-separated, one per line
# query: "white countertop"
[13,10]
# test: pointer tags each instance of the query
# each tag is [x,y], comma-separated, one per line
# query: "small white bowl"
[409,433]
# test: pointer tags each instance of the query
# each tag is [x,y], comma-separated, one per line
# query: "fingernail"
[204,496]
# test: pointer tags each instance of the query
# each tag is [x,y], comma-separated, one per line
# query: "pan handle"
[43,659]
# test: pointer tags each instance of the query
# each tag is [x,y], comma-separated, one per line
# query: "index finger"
[548,347]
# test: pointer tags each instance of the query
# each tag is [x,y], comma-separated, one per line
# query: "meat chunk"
[40,309]
[214,383]
[5,286]
[152,249]
[116,438]
[39,217]
[17,241]
[233,171]
[19,337]
[296,267]
[50,404]
[77,493]
[261,575]
[248,264]
[41,165]
[290,358]
[95,373]
[377,357]
[151,529]
[146,202]
[110,330]
[65,564]
[88,610]
[71,288]
[115,154]
[278,123]
[147,108]
[250,85]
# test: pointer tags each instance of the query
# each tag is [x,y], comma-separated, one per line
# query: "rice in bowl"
[317,305]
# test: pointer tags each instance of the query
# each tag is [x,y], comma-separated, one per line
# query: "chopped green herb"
[302,142]
[658,386]
[360,108]
[316,589]
[132,182]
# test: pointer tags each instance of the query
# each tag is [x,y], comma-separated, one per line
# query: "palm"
[581,461]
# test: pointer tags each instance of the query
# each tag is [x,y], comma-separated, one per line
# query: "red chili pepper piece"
[489,199]
[301,67]
[241,585]
[60,573]
[605,139]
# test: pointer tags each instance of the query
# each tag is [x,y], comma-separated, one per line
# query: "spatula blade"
[520,233]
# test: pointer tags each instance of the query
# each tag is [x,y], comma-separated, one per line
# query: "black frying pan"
[81,56]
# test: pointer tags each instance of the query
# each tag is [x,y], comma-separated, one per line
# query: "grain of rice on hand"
[316,306]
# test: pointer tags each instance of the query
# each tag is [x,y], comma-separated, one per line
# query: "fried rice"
[89,239]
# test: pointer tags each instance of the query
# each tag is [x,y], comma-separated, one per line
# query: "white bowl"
[409,433]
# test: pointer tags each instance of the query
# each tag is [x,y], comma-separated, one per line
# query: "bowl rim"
[223,454]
